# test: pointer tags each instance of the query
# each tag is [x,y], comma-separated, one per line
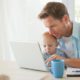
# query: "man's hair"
[55,9]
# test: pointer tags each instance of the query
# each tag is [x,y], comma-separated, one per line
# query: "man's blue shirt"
[75,38]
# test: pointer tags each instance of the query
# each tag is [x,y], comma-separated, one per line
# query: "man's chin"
[58,37]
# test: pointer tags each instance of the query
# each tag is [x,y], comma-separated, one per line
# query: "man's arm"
[75,62]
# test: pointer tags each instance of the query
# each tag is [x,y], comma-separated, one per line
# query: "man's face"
[56,27]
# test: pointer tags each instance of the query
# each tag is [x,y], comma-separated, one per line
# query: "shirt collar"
[75,30]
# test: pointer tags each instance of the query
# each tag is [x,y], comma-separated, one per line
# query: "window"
[77,10]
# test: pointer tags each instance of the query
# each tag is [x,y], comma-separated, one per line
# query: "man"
[56,18]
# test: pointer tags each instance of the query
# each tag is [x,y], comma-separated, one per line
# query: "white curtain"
[4,47]
[19,22]
[70,4]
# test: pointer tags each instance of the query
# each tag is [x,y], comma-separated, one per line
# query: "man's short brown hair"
[55,9]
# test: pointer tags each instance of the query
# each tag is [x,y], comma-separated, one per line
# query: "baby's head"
[49,43]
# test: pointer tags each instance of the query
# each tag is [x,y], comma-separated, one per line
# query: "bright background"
[19,22]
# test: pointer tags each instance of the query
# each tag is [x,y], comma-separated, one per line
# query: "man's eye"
[53,26]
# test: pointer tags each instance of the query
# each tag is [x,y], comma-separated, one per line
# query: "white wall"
[70,4]
[24,24]
[19,22]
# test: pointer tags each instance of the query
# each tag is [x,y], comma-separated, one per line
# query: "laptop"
[28,55]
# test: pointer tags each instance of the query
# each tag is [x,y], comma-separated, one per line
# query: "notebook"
[73,72]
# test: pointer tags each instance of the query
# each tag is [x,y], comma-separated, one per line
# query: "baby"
[50,44]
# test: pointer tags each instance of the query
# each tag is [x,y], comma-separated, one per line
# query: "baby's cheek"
[45,51]
[53,50]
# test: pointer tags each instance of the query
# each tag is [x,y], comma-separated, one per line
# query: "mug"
[57,68]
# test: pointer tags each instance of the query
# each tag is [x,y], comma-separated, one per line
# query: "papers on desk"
[73,72]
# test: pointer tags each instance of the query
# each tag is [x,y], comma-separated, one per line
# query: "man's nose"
[50,31]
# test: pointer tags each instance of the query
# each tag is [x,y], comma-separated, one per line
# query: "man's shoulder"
[76,29]
[77,24]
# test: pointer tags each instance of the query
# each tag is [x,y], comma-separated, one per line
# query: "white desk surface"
[15,73]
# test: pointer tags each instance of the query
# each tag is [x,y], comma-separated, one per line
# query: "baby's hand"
[53,57]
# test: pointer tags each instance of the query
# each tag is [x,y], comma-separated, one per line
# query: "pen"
[76,71]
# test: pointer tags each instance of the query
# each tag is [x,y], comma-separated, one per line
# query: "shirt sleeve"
[61,53]
[44,56]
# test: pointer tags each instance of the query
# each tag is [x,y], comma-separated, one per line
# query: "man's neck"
[69,30]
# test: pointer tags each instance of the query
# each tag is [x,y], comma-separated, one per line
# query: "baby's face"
[49,46]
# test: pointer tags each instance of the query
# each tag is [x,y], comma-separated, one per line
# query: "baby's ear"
[57,44]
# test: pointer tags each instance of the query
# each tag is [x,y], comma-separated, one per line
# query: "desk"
[15,73]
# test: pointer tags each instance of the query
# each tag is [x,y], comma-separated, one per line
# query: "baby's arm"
[53,57]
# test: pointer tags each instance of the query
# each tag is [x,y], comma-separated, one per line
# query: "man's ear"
[65,19]
[57,44]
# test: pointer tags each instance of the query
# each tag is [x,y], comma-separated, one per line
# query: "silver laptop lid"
[28,55]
